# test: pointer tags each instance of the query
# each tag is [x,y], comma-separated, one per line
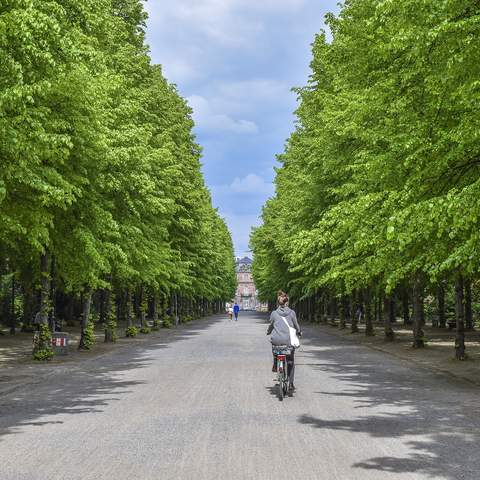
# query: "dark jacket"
[280,335]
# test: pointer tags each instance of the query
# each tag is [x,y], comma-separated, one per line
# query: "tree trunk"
[175,303]
[393,301]
[418,334]
[333,312]
[326,304]
[155,309]
[27,303]
[468,305]
[87,302]
[343,311]
[460,313]
[128,307]
[348,309]
[142,307]
[110,321]
[387,326]
[405,307]
[52,321]
[442,319]
[12,308]
[103,306]
[44,288]
[357,314]
[369,331]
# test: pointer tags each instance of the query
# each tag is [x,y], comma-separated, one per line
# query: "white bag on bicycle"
[294,341]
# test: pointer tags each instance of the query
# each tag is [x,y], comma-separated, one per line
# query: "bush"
[167,322]
[145,330]
[156,325]
[43,354]
[131,332]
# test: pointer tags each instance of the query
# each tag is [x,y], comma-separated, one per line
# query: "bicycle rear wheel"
[281,380]
[285,388]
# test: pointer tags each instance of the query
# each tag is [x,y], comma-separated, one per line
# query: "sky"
[236,61]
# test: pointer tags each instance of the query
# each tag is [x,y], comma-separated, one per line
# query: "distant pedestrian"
[236,309]
[230,312]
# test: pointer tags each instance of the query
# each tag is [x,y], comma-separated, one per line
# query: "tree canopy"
[379,183]
[100,169]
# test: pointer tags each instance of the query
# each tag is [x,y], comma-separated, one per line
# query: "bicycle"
[281,352]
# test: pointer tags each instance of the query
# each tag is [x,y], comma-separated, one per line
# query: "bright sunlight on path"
[199,403]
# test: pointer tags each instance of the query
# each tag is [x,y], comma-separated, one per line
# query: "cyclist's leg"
[291,367]
[274,368]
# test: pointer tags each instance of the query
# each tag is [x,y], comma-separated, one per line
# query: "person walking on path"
[236,309]
[280,320]
[230,312]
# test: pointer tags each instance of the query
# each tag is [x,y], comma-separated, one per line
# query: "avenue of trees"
[102,200]
[377,204]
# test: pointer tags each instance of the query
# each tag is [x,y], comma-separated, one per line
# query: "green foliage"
[42,348]
[100,167]
[131,331]
[167,322]
[380,180]
[145,330]
[43,354]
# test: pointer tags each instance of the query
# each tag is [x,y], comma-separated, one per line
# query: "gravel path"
[200,403]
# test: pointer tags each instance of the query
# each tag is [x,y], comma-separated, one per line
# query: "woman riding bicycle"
[280,333]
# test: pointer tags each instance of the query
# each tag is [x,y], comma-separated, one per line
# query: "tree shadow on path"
[436,418]
[87,386]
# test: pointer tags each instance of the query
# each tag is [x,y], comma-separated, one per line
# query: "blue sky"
[236,61]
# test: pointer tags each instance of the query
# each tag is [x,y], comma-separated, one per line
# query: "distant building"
[246,295]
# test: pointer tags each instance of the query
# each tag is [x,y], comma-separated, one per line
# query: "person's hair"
[282,298]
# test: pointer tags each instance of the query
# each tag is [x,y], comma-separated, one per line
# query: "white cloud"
[263,88]
[251,96]
[252,183]
[248,188]
[230,22]
[207,119]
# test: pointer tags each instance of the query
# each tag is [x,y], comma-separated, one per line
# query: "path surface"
[199,403]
